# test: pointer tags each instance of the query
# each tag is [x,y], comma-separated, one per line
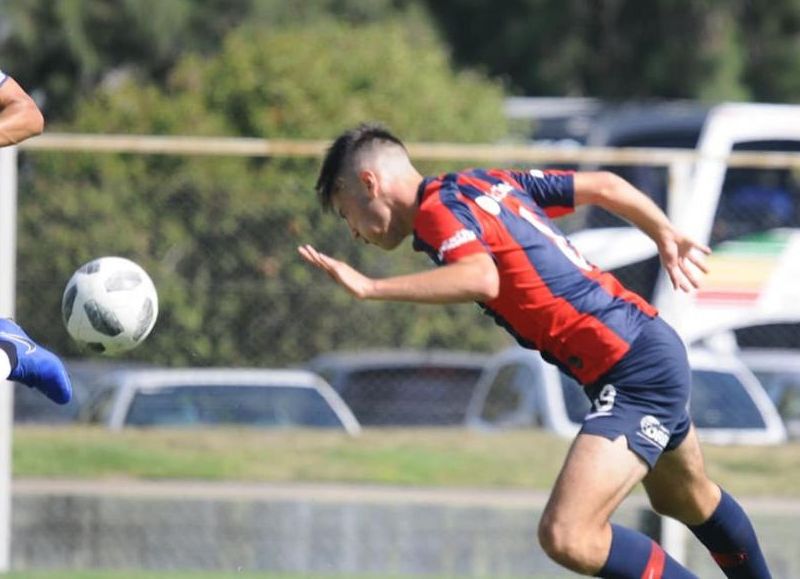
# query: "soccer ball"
[110,304]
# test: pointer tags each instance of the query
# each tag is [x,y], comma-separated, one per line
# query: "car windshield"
[409,395]
[274,406]
[720,400]
[783,388]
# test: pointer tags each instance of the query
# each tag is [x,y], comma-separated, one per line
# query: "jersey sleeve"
[3,77]
[553,191]
[448,232]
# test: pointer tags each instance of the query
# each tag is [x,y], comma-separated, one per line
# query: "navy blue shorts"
[644,396]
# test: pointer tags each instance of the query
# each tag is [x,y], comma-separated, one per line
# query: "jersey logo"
[488,204]
[459,238]
[651,429]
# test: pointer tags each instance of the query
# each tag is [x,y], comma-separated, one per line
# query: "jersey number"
[559,240]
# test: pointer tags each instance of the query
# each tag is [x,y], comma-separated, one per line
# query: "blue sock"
[730,537]
[635,556]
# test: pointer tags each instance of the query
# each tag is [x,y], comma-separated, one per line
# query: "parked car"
[30,406]
[779,373]
[728,405]
[403,387]
[193,397]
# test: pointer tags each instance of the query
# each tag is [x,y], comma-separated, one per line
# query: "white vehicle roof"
[775,359]
[128,382]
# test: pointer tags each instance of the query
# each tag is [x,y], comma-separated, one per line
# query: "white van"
[749,215]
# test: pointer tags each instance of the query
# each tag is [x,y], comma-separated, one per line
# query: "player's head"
[366,177]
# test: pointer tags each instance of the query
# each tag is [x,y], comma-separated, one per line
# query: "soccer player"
[491,234]
[22,359]
[20,118]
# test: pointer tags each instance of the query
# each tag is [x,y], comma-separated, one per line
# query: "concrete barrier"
[311,528]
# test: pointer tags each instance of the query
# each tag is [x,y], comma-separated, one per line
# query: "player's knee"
[689,504]
[568,545]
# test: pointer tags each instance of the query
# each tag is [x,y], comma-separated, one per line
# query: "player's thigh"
[597,475]
[678,485]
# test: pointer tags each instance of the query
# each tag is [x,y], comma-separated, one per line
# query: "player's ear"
[370,181]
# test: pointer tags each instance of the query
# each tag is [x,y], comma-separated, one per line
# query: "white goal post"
[8,255]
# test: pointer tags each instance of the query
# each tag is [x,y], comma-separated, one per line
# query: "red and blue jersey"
[551,299]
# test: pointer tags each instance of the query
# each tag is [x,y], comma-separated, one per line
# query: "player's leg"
[25,361]
[575,531]
[678,487]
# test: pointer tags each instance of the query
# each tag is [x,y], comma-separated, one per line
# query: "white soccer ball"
[110,304]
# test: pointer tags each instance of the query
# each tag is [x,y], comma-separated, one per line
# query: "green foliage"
[63,50]
[219,235]
[626,49]
[621,49]
[349,73]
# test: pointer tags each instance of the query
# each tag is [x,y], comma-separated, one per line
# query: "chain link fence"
[217,224]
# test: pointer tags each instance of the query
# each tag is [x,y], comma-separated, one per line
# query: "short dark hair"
[341,151]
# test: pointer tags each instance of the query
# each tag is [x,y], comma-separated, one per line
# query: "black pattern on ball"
[145,317]
[91,267]
[96,347]
[69,302]
[102,319]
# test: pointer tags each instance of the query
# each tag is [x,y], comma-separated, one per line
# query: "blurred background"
[271,426]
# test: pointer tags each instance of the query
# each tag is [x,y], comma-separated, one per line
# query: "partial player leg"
[678,487]
[25,361]
[575,530]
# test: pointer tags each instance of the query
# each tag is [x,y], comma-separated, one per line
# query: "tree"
[625,49]
[219,235]
[62,50]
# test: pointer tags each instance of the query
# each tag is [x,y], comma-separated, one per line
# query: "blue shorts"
[644,396]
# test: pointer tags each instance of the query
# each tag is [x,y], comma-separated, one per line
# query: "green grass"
[432,457]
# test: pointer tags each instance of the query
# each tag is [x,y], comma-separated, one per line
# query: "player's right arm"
[472,277]
[20,118]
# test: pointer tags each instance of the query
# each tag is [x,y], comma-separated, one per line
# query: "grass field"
[433,457]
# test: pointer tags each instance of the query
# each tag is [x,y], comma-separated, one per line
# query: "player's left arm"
[473,277]
[20,118]
[613,193]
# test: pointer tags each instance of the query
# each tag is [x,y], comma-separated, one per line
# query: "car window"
[784,390]
[789,404]
[575,400]
[31,407]
[757,199]
[720,400]
[278,406]
[504,396]
[409,395]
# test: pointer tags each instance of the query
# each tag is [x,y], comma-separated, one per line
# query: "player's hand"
[353,281]
[682,259]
